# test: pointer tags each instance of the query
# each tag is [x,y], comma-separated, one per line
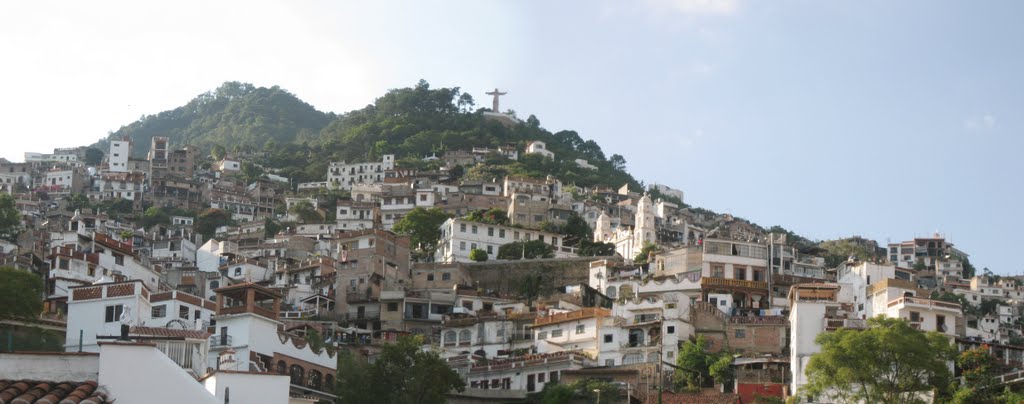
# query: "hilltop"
[299,141]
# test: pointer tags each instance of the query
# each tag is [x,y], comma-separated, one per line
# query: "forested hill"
[235,113]
[411,123]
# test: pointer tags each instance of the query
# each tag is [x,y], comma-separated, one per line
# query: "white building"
[571,331]
[814,308]
[460,236]
[120,152]
[343,176]
[539,147]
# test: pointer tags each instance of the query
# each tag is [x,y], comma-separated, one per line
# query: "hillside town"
[188,278]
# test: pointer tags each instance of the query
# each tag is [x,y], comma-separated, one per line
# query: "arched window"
[329,382]
[282,368]
[449,337]
[214,285]
[632,359]
[296,373]
[465,336]
[314,379]
[610,292]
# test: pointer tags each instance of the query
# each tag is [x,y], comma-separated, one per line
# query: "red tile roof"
[28,391]
[698,398]
[170,332]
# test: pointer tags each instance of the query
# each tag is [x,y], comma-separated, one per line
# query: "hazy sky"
[876,118]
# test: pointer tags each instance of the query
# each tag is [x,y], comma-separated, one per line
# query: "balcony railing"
[760,376]
[187,354]
[732,283]
[219,340]
[832,324]
[925,302]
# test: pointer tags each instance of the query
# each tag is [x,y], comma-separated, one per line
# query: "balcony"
[762,376]
[925,303]
[361,296]
[190,355]
[218,340]
[709,282]
[832,324]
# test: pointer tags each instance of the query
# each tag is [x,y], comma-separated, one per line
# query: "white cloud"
[701,68]
[974,122]
[701,7]
[688,141]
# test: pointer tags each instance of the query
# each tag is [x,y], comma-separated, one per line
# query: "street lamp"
[598,391]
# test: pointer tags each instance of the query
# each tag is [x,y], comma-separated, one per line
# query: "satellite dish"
[178,323]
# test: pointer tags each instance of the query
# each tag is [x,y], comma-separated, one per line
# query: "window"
[430,277]
[540,377]
[490,249]
[670,329]
[118,259]
[542,335]
[667,305]
[556,333]
[501,233]
[608,338]
[446,276]
[474,229]
[238,271]
[113,313]
[160,311]
[183,312]
[392,306]
[915,317]
[462,227]
[717,271]
[741,333]
[580,328]
[462,246]
[490,232]
[609,362]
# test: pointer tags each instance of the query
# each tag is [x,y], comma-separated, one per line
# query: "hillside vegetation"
[411,123]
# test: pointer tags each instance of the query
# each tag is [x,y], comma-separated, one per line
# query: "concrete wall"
[157,379]
[248,387]
[49,366]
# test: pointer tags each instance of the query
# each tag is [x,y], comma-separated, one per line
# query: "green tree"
[403,373]
[154,216]
[697,366]
[21,294]
[251,172]
[645,253]
[526,249]
[838,251]
[93,156]
[209,220]
[77,201]
[305,212]
[555,393]
[10,219]
[979,370]
[424,229]
[887,363]
[589,248]
[576,230]
[477,255]
[969,270]
[217,152]
[271,227]
[489,216]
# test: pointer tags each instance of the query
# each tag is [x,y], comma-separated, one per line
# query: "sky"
[887,120]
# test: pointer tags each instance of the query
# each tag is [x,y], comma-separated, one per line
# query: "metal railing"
[832,324]
[218,340]
[187,354]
